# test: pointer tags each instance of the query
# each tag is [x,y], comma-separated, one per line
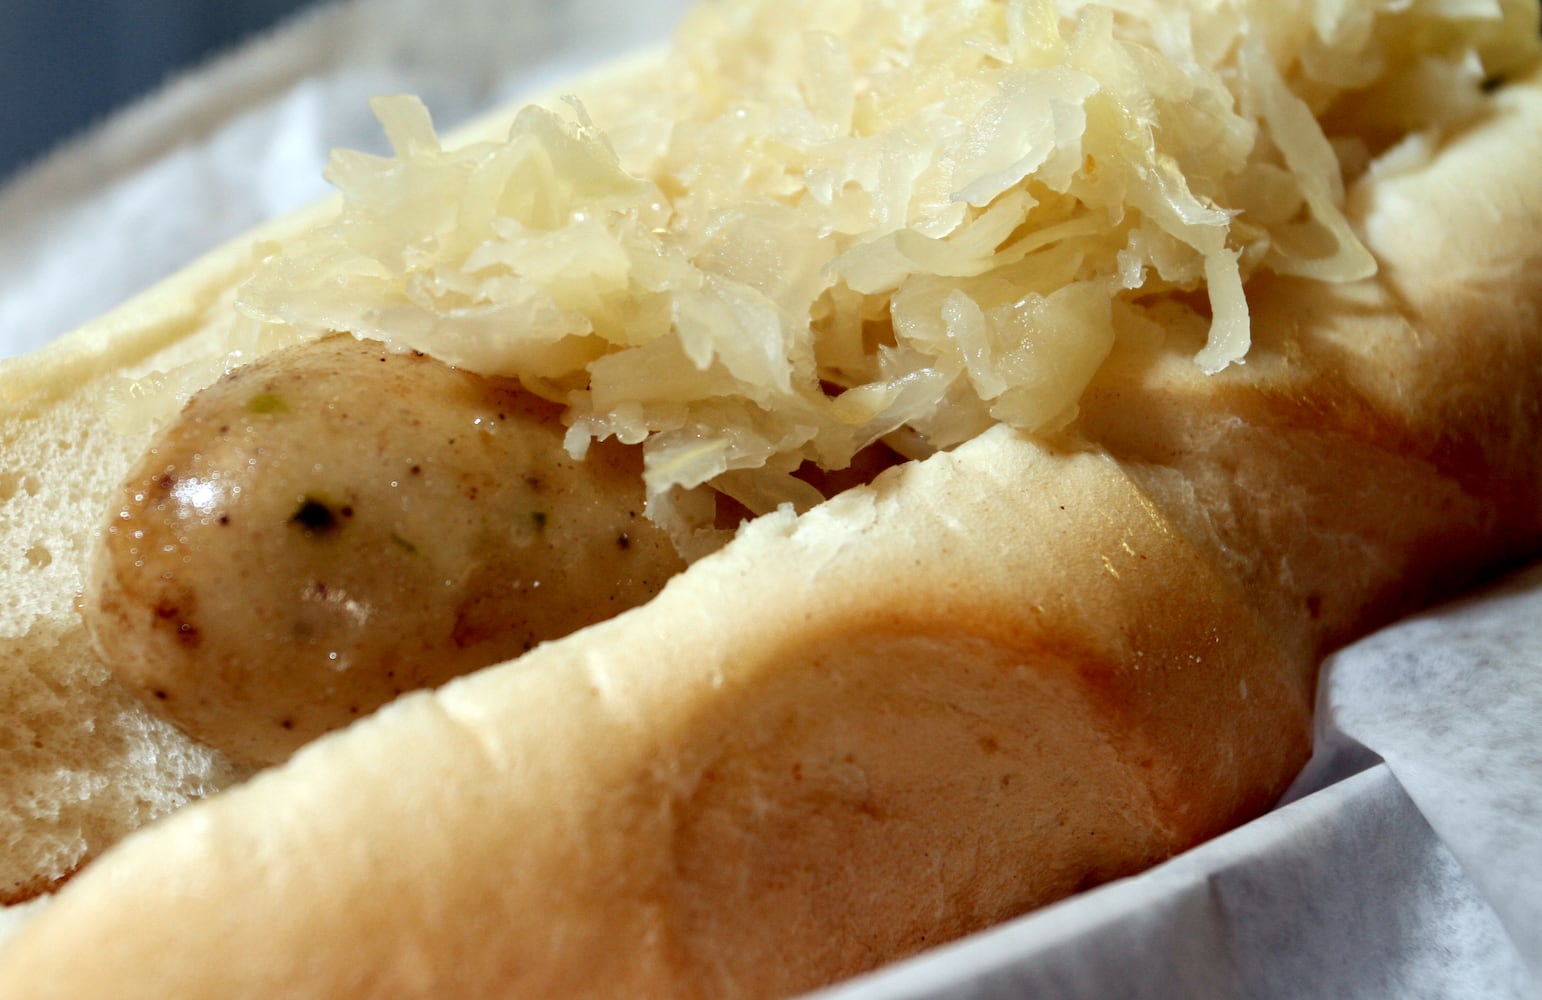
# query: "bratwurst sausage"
[337,523]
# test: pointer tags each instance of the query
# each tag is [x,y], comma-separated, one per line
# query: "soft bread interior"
[80,763]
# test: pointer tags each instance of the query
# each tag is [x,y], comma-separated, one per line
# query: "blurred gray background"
[66,63]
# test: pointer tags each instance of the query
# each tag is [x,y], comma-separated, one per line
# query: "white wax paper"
[1408,860]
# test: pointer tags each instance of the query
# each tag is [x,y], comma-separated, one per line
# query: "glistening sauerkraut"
[832,221]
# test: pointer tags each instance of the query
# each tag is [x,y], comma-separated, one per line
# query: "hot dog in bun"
[879,469]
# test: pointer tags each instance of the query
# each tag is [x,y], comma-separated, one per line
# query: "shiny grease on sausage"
[337,523]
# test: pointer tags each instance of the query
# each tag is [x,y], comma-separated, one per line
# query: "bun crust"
[985,681]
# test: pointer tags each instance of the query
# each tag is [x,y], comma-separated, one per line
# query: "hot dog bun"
[986,680]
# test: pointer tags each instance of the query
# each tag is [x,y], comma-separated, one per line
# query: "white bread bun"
[987,680]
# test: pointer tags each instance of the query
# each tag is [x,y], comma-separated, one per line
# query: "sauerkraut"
[829,222]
